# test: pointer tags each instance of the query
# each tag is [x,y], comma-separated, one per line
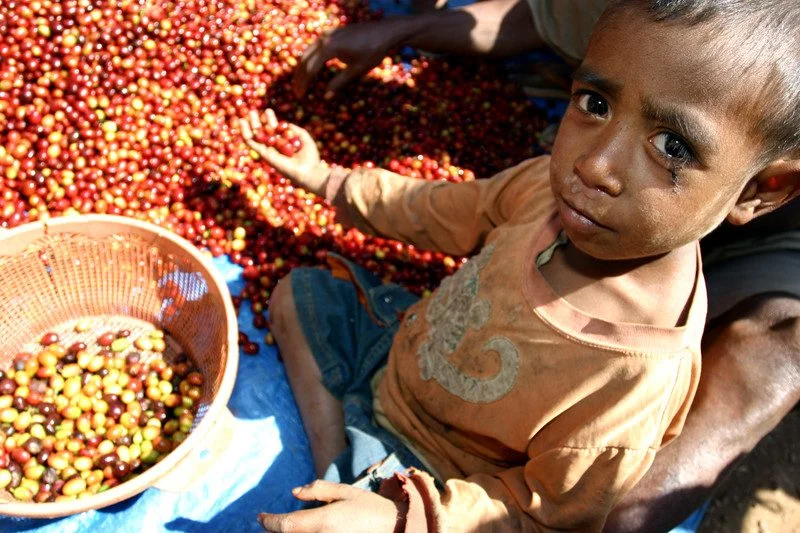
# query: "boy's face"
[651,154]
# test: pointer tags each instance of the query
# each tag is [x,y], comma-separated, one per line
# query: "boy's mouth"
[578,216]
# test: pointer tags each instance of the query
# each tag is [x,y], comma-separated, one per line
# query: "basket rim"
[110,225]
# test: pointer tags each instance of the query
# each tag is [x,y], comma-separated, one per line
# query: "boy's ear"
[778,183]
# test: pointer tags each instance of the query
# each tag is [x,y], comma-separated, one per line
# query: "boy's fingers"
[255,121]
[281,163]
[247,133]
[259,148]
[305,138]
[272,120]
[326,491]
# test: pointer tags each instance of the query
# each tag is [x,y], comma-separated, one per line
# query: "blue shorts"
[349,318]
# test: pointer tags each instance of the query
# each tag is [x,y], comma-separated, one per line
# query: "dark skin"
[498,28]
[741,397]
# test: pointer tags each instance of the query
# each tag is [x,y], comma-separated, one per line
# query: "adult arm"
[749,381]
[498,28]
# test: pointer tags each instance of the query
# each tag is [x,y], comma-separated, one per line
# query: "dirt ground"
[762,493]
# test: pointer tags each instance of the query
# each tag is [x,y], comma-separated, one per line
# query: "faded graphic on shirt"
[454,309]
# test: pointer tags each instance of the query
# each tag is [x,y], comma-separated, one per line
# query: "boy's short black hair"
[769,33]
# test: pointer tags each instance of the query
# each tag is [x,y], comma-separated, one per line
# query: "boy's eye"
[592,103]
[673,147]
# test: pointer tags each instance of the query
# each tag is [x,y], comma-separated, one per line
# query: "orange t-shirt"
[536,415]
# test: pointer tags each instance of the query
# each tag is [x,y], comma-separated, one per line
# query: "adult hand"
[500,28]
[361,46]
[304,168]
[349,509]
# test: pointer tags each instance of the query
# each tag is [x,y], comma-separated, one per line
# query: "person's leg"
[321,412]
[749,381]
[425,6]
[749,377]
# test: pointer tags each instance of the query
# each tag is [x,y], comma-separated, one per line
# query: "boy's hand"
[304,168]
[349,509]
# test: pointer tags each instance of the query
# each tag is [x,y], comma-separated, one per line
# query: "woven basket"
[110,267]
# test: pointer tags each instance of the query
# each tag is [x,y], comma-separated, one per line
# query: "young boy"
[537,383]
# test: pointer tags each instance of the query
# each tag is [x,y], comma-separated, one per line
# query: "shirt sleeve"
[566,25]
[441,216]
[562,489]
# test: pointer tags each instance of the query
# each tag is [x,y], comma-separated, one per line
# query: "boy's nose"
[598,167]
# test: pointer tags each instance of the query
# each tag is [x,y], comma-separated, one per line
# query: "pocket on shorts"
[389,302]
[384,302]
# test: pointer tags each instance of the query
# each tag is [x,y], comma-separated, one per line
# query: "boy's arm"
[441,216]
[454,218]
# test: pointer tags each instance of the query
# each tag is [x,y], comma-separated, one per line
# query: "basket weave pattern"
[103,266]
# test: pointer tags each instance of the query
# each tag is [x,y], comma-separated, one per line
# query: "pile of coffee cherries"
[79,418]
[131,107]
